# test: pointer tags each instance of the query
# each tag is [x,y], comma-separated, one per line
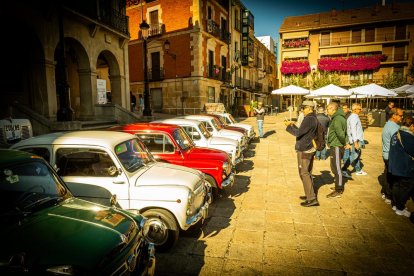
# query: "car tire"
[213,184]
[164,241]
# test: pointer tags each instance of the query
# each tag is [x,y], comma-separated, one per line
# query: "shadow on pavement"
[269,133]
[245,166]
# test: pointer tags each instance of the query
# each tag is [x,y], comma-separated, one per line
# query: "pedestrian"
[324,121]
[401,165]
[390,128]
[347,152]
[259,112]
[355,142]
[336,143]
[301,116]
[133,100]
[305,151]
[388,110]
[141,103]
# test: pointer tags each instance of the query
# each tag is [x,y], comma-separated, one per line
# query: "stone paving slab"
[259,228]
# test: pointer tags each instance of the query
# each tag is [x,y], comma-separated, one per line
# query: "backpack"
[319,142]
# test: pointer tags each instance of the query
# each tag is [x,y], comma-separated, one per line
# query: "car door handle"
[118,182]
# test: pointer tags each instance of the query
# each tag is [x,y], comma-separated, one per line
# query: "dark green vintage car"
[45,230]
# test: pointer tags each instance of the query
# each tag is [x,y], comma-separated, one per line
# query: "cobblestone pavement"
[260,228]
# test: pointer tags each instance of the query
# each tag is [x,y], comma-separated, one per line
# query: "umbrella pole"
[290,109]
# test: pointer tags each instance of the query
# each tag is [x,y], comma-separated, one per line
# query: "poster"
[101,91]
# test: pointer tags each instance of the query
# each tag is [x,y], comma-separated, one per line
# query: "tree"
[324,78]
[410,73]
[393,81]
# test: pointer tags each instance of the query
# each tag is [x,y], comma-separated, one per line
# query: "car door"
[93,165]
[198,139]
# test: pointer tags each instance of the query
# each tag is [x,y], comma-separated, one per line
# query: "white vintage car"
[203,138]
[172,197]
[216,130]
[229,119]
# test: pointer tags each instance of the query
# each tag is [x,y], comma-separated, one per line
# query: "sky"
[269,14]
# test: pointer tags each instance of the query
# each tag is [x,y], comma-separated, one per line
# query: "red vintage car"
[171,144]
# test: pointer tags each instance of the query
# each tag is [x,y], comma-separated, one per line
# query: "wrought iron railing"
[156,74]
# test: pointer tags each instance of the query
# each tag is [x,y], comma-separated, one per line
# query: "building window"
[370,35]
[354,77]
[325,39]
[356,36]
[211,95]
[399,71]
[209,13]
[368,76]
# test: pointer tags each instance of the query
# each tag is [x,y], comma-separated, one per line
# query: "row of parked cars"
[156,179]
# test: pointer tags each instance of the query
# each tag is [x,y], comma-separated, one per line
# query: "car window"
[42,152]
[192,133]
[182,139]
[204,130]
[231,119]
[157,142]
[28,184]
[84,162]
[216,124]
[208,126]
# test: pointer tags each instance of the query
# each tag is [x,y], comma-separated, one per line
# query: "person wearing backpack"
[355,142]
[324,121]
[305,150]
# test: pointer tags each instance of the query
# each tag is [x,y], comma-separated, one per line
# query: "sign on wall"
[101,91]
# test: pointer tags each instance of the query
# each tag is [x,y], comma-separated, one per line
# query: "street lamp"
[144,27]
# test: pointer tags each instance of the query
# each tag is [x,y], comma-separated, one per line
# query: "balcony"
[214,29]
[258,86]
[380,37]
[156,74]
[396,58]
[156,29]
[246,84]
[296,43]
[238,82]
[104,13]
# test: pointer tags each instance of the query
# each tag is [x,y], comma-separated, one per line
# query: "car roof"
[181,121]
[147,126]
[90,137]
[8,156]
[198,117]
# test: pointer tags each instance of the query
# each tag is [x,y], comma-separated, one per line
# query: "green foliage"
[324,78]
[393,81]
[293,79]
[410,73]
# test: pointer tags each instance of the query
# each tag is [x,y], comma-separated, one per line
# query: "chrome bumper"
[228,182]
[151,260]
[201,215]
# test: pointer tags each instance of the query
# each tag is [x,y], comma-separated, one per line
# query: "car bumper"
[200,215]
[239,159]
[228,182]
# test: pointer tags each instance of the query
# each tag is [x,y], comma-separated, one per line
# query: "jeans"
[336,154]
[321,154]
[260,127]
[353,158]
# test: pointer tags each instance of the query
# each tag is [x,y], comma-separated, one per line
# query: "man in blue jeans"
[260,112]
[324,121]
[355,142]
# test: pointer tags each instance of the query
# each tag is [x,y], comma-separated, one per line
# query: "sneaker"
[404,212]
[361,172]
[394,208]
[383,196]
[346,174]
[310,203]
[334,194]
[387,200]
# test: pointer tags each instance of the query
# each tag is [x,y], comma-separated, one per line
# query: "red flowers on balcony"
[295,67]
[349,64]
[297,43]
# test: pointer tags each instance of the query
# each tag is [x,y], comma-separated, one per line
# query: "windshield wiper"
[42,201]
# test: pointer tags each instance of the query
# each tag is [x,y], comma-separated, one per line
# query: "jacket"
[324,120]
[401,154]
[390,128]
[337,129]
[305,133]
[354,129]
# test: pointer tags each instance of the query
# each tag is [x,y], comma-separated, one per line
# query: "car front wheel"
[164,229]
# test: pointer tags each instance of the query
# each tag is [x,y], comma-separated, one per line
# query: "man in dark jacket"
[324,121]
[305,151]
[336,143]
[401,165]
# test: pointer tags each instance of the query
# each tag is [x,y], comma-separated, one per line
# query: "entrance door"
[156,69]
[156,95]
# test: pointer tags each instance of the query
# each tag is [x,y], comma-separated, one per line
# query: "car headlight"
[225,167]
[62,270]
[190,198]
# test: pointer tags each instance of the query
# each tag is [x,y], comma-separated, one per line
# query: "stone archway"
[107,68]
[79,79]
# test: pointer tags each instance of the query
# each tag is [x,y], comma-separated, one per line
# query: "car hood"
[207,153]
[228,132]
[222,141]
[74,232]
[245,126]
[169,174]
[235,128]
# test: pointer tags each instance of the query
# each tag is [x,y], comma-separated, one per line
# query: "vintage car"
[171,144]
[46,231]
[229,119]
[220,120]
[217,130]
[171,197]
[201,137]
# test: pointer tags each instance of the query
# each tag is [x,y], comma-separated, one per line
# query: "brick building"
[204,58]
[361,45]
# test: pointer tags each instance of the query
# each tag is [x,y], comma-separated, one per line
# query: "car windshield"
[231,119]
[182,139]
[216,123]
[133,155]
[204,130]
[29,185]
[222,120]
